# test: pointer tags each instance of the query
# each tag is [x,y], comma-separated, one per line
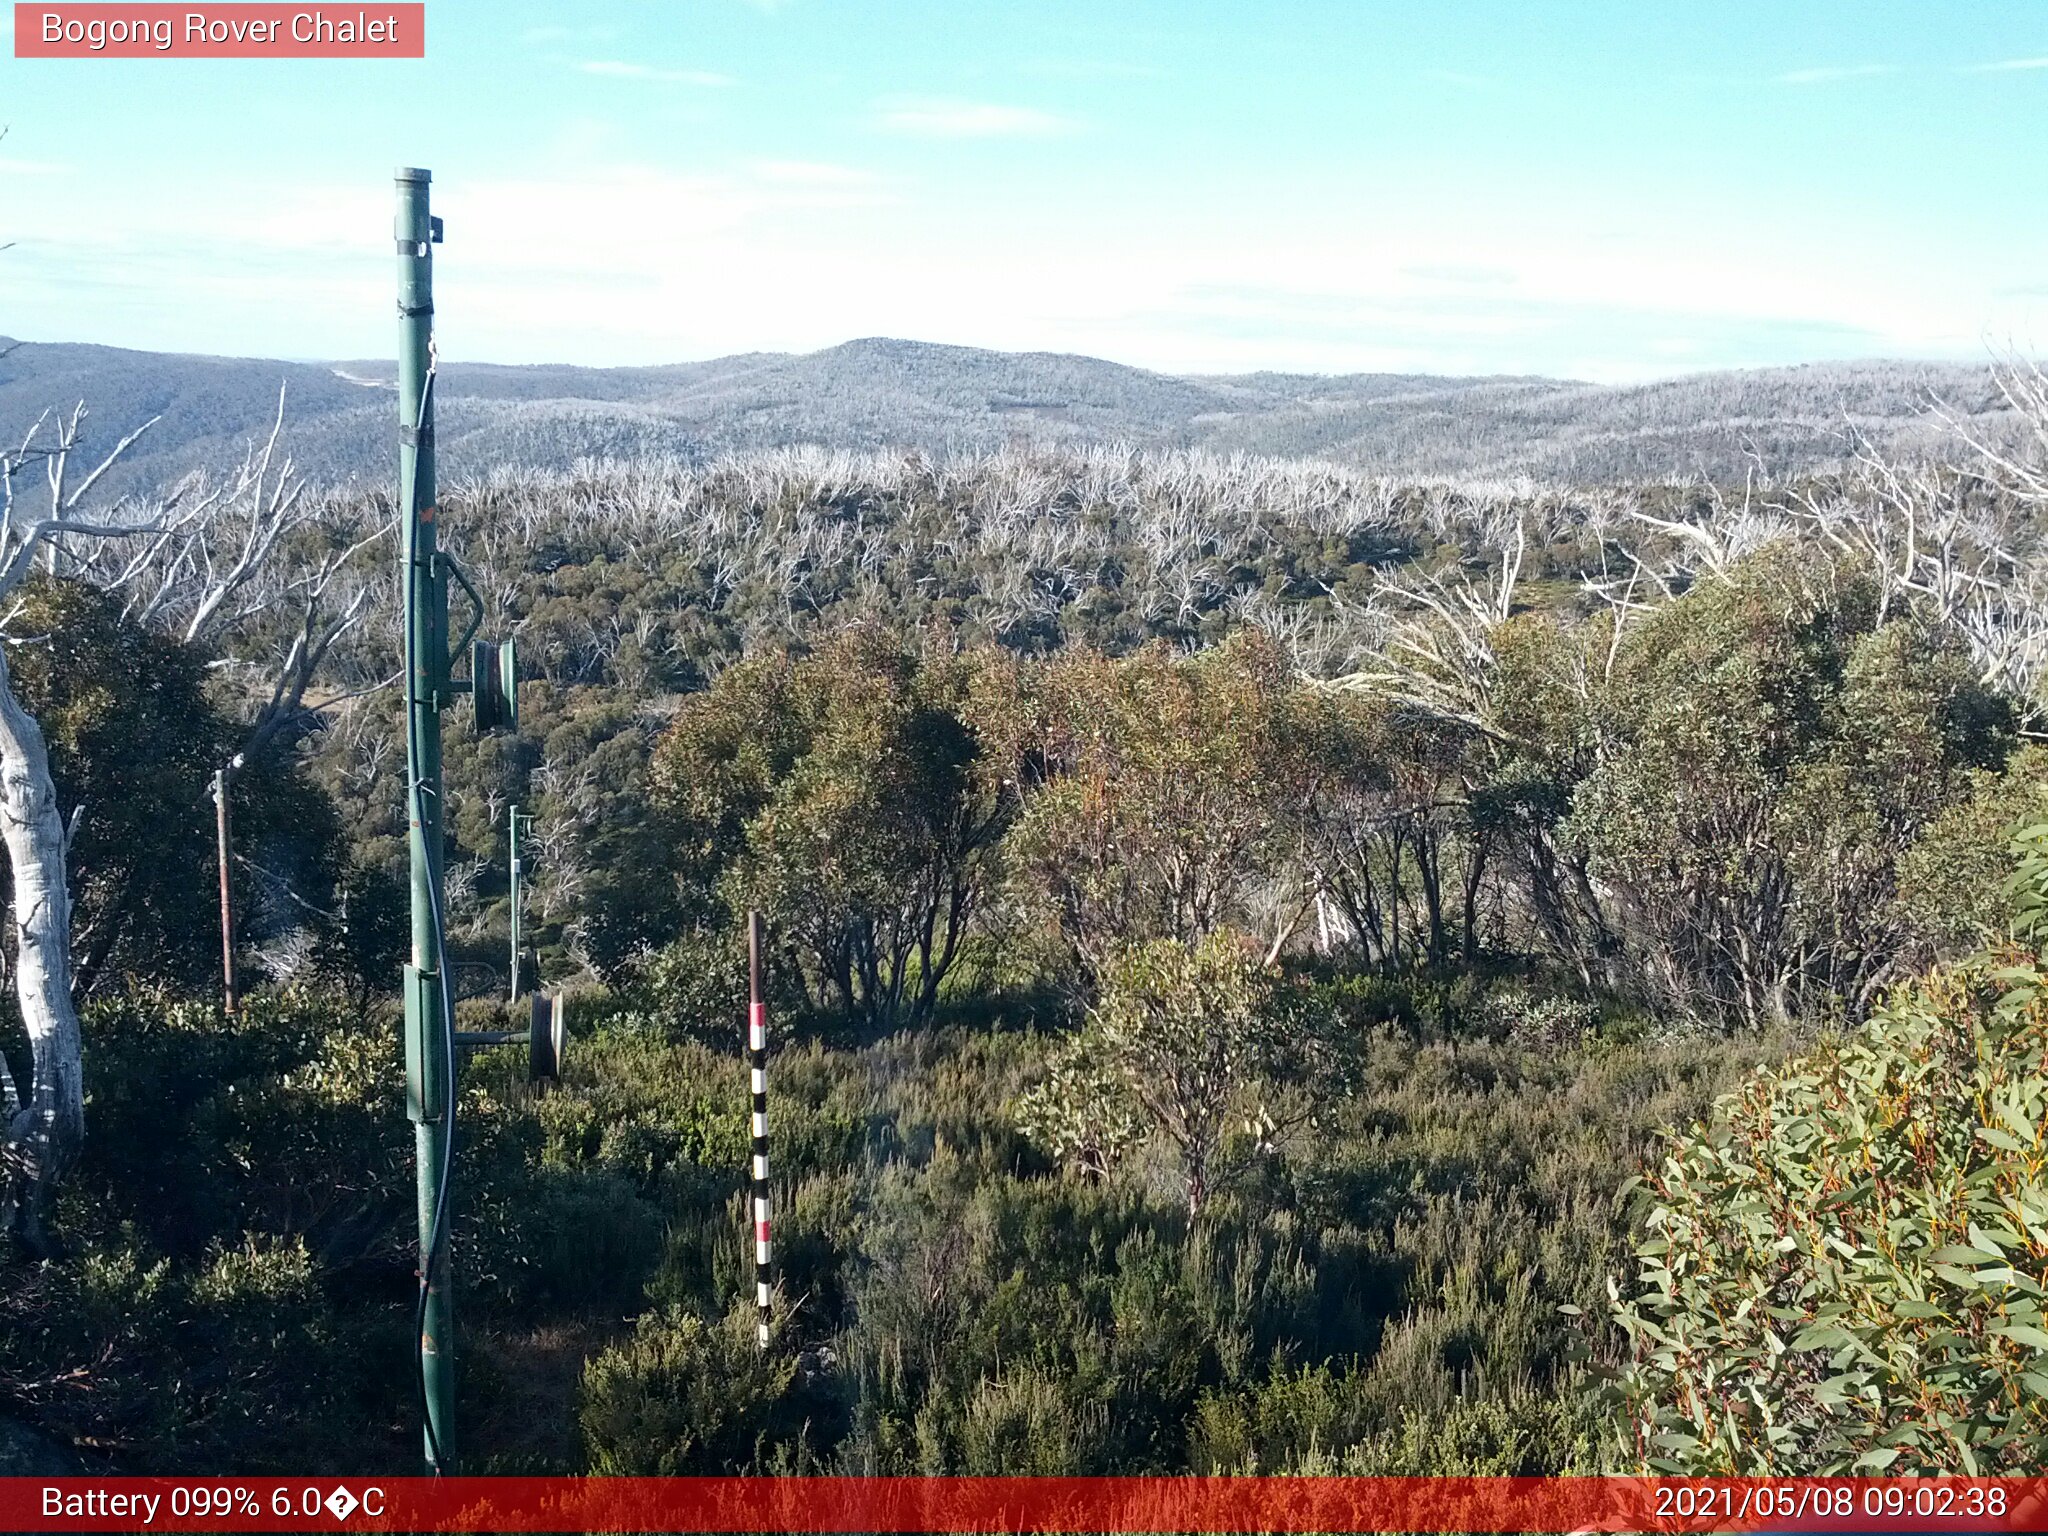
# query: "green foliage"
[896,798]
[1953,879]
[552,1240]
[695,988]
[1084,1113]
[1335,1203]
[1758,864]
[1179,1041]
[277,1121]
[1518,1435]
[1845,1268]
[1331,1420]
[236,1206]
[855,798]
[238,1286]
[1417,1237]
[240,1359]
[1540,1020]
[134,739]
[1168,789]
[1027,1423]
[683,1397]
[1277,1424]
[594,750]
[642,1109]
[243,1220]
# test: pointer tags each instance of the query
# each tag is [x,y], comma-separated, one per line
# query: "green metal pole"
[428,1056]
[517,893]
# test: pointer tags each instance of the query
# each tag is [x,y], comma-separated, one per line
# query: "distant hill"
[880,393]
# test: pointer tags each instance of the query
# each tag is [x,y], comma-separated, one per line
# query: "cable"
[434,1232]
[440,958]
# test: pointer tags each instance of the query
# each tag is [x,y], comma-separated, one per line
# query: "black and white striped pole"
[757,1057]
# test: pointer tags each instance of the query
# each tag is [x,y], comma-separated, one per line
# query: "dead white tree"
[1434,649]
[251,547]
[46,1123]
[198,562]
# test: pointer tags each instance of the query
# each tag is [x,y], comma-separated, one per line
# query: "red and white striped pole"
[757,1056]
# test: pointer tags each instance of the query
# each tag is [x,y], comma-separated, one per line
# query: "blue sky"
[1606,191]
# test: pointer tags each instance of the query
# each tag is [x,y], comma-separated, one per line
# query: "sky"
[1607,191]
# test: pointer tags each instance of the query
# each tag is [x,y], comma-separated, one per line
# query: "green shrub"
[638,1106]
[1951,881]
[1278,1424]
[1524,1435]
[268,1335]
[695,988]
[284,1119]
[241,1291]
[558,1241]
[1844,1269]
[1361,1001]
[1539,1021]
[683,1396]
[1029,1423]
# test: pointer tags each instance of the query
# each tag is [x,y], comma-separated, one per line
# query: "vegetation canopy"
[1847,1264]
[1234,927]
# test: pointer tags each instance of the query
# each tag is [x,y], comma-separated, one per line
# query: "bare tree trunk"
[45,1127]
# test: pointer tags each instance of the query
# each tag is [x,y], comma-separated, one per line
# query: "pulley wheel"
[547,1037]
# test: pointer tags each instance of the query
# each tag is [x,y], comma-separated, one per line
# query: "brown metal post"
[753,958]
[227,899]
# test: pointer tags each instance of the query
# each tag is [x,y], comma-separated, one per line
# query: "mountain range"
[882,393]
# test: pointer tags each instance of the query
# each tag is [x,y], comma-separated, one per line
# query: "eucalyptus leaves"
[1844,1270]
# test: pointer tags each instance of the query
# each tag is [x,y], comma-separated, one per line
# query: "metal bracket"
[417,437]
[448,563]
[412,311]
[424,1092]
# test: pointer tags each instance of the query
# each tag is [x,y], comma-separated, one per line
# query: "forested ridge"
[882,393]
[1265,962]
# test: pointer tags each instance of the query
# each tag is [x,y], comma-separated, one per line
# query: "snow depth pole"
[429,1043]
[757,1055]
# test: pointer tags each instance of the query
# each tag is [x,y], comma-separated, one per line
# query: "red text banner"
[237,31]
[1020,1504]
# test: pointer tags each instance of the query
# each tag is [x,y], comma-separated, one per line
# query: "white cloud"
[704,263]
[2004,65]
[619,69]
[933,117]
[1832,72]
[1458,274]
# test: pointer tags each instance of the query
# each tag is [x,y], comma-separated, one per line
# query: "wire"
[440,957]
[435,1232]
